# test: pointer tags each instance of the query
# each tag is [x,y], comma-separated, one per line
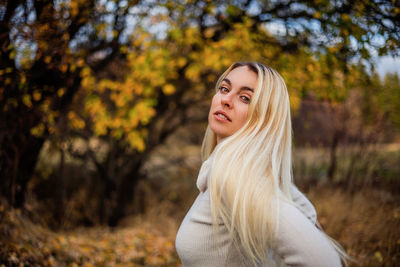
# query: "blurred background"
[103,107]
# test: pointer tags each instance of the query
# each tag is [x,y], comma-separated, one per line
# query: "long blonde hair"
[257,166]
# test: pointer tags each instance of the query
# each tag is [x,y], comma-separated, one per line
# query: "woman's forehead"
[242,76]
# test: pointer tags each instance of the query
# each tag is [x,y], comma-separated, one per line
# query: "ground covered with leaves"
[26,244]
[366,223]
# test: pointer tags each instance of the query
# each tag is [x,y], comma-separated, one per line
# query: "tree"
[44,48]
[56,53]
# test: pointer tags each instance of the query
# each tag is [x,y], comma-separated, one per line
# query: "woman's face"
[230,105]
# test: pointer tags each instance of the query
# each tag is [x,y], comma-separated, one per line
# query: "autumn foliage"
[91,91]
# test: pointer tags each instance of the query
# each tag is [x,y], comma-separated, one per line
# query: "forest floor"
[366,223]
[23,243]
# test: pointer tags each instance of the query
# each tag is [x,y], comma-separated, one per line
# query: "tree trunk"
[106,191]
[19,152]
[125,192]
[60,189]
[333,156]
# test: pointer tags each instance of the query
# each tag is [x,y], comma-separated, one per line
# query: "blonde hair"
[257,172]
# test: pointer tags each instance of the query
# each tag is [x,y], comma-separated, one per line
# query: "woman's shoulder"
[303,204]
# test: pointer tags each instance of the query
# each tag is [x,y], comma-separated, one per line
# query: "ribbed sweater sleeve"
[300,243]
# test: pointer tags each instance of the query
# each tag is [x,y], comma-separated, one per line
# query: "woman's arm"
[300,243]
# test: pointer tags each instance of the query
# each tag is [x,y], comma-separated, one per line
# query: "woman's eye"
[245,99]
[224,89]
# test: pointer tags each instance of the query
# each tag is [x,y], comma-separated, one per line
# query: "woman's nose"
[226,100]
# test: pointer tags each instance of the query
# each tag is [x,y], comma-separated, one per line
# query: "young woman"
[248,212]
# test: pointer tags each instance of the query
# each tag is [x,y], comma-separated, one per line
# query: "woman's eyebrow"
[244,88]
[227,81]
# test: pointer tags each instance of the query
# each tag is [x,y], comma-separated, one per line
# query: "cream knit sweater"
[299,242]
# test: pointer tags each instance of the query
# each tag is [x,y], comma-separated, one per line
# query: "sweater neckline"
[204,173]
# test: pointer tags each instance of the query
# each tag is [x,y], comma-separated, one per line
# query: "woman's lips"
[221,116]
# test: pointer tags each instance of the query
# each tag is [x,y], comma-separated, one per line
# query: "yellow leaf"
[23,79]
[295,102]
[75,121]
[123,49]
[208,33]
[158,62]
[37,95]
[64,67]
[136,141]
[26,98]
[181,62]
[80,62]
[47,59]
[168,89]
[74,9]
[317,15]
[60,92]
[345,16]
[396,214]
[12,54]
[38,130]
[378,256]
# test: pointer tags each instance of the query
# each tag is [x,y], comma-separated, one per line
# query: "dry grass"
[366,223]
